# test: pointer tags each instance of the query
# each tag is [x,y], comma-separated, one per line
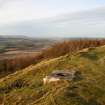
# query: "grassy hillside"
[15,60]
[25,87]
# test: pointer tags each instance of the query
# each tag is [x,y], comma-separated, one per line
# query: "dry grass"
[88,91]
[12,63]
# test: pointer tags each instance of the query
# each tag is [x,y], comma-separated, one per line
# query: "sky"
[53,18]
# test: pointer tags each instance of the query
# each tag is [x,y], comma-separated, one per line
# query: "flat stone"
[61,75]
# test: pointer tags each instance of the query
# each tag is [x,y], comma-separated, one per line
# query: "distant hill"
[22,43]
[26,87]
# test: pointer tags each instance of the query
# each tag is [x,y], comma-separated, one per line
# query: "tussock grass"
[27,86]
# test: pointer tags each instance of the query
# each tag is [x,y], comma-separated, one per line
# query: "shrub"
[62,48]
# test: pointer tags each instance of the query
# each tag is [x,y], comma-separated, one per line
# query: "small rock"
[62,75]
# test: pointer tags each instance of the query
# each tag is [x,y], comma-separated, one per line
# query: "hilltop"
[26,87]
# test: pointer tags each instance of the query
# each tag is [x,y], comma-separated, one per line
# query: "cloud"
[89,23]
[91,15]
[4,2]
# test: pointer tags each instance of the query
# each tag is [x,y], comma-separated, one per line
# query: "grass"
[26,87]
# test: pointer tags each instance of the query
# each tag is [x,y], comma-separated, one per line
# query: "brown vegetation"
[71,46]
[10,65]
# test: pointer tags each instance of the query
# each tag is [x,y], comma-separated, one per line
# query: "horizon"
[53,37]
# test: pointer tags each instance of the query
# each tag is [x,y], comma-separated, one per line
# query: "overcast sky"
[53,18]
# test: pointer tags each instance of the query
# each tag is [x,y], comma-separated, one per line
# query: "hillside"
[26,87]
